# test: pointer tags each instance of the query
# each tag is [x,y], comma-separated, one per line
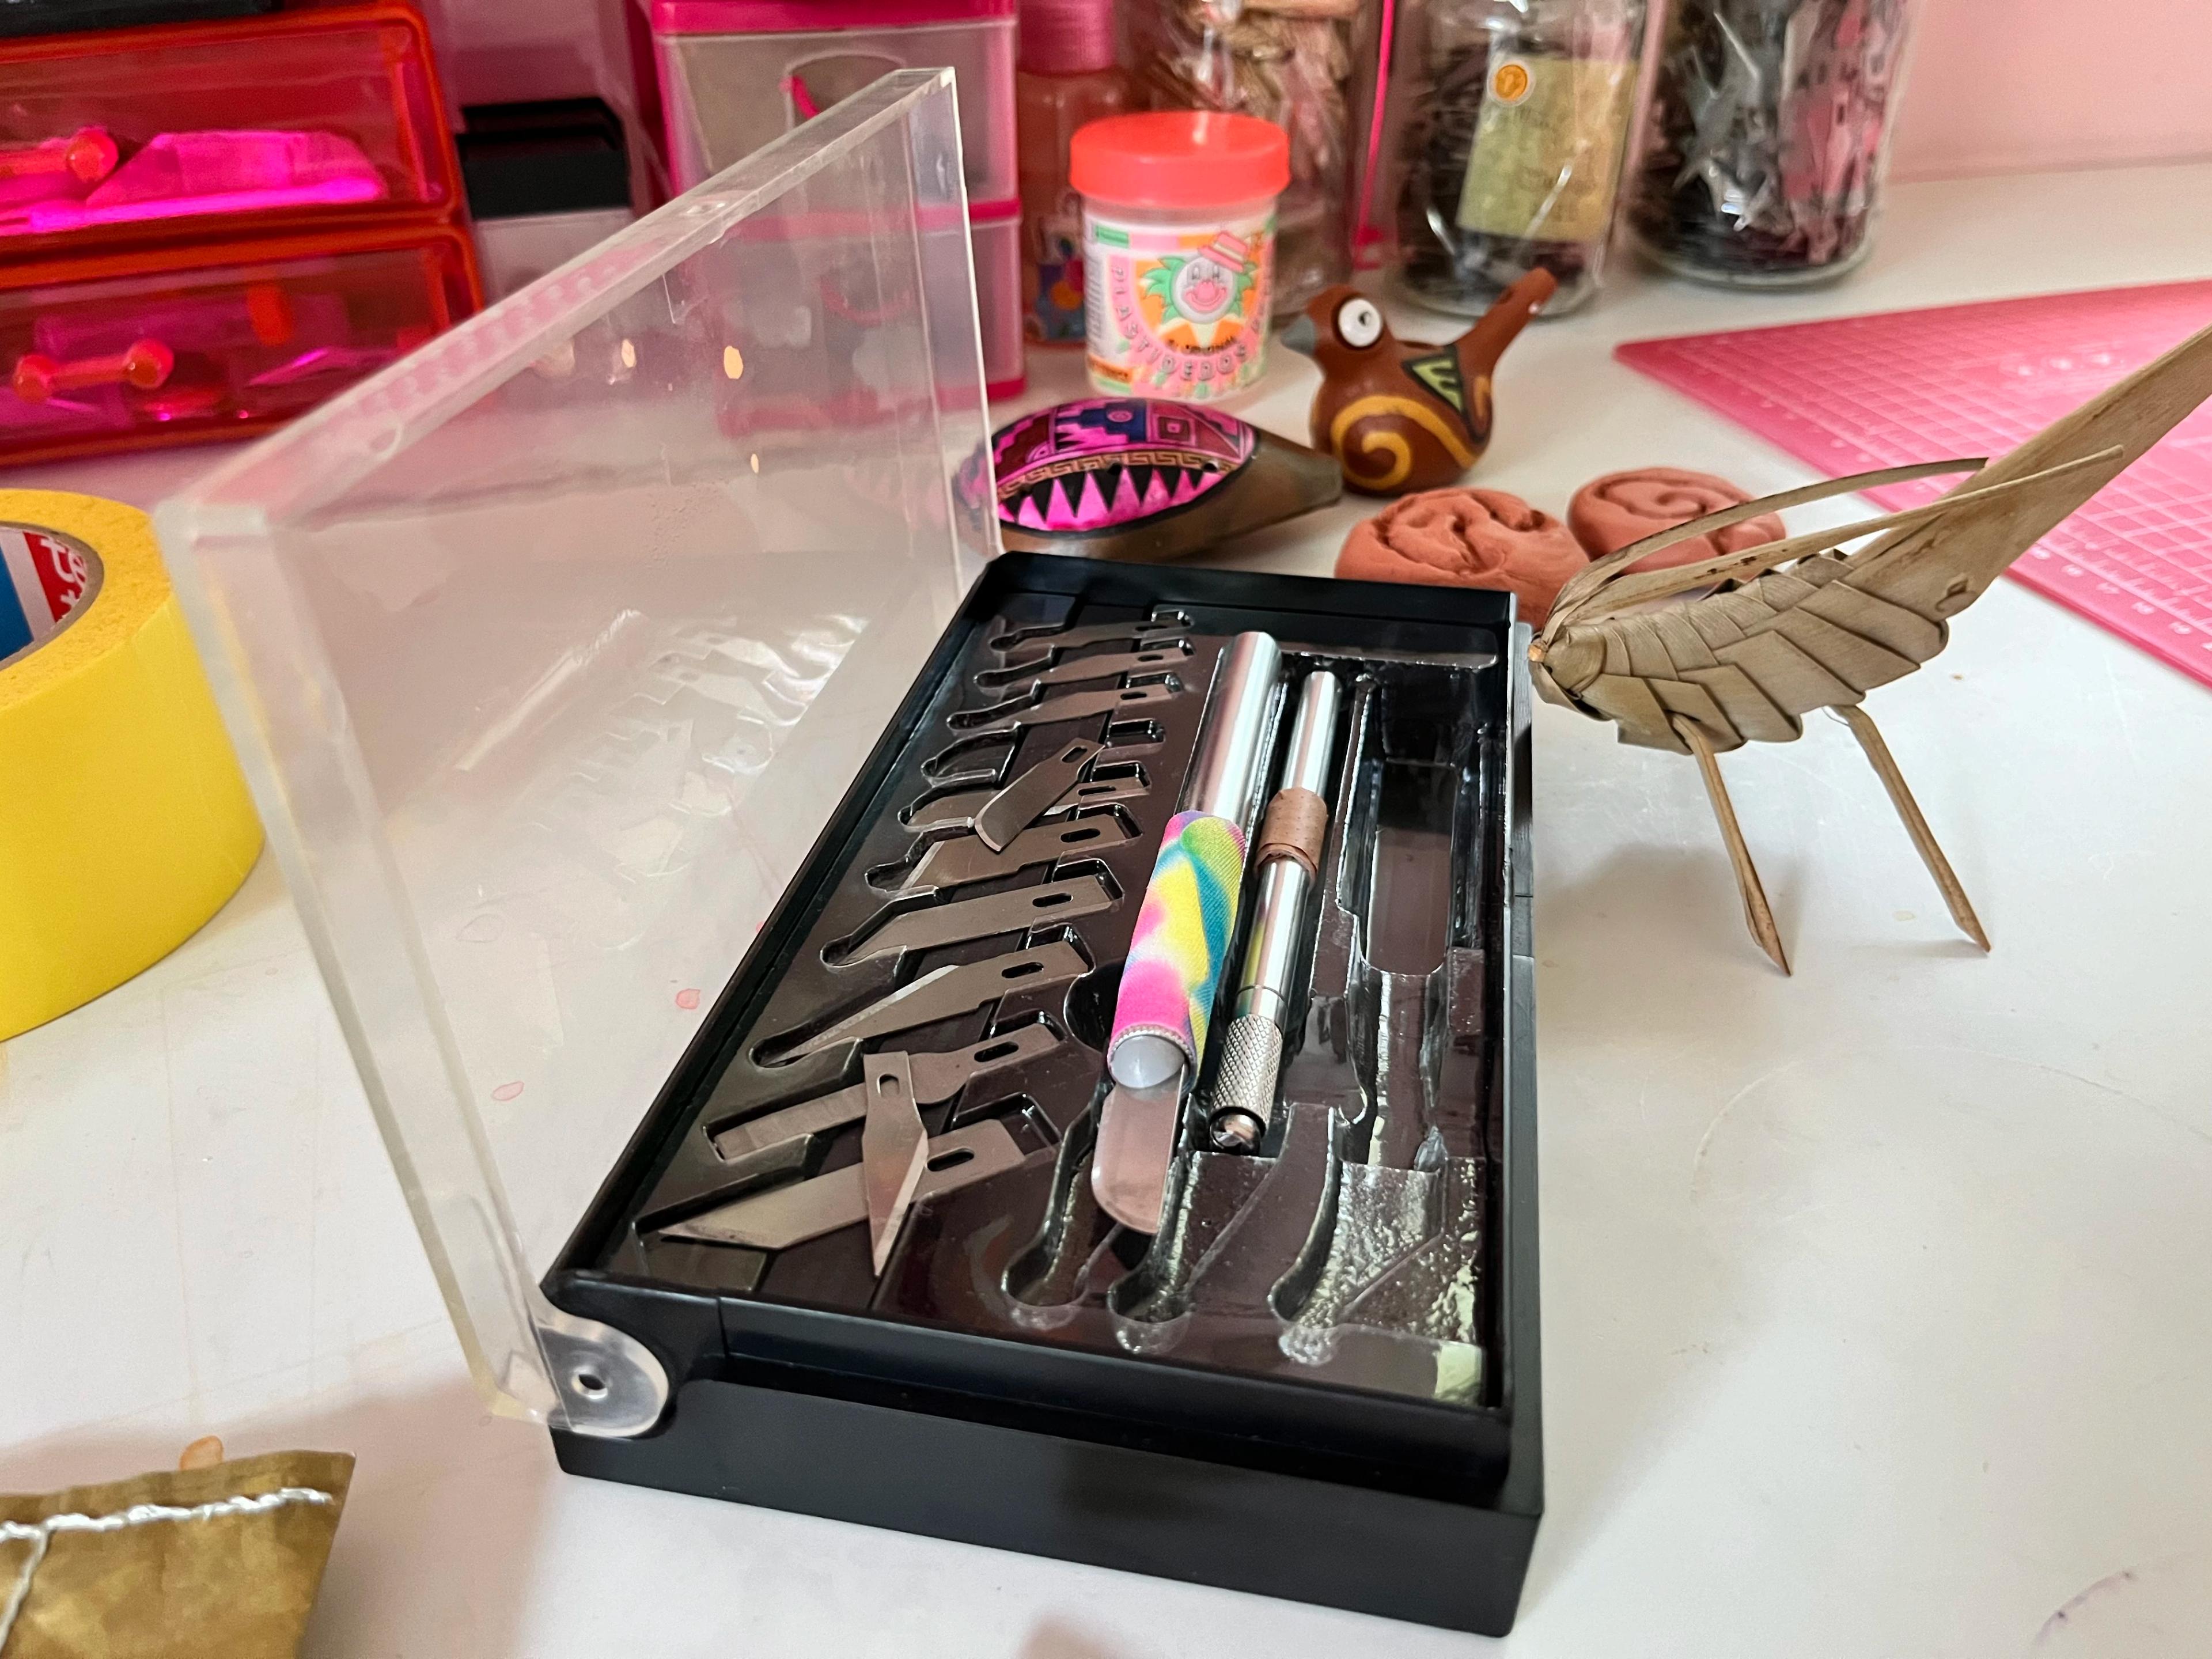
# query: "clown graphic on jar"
[1186,313]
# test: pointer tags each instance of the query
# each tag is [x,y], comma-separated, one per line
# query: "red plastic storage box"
[296,121]
[128,349]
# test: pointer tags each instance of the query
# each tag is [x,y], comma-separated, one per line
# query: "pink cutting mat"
[1861,392]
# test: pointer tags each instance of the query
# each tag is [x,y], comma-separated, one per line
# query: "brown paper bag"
[182,1564]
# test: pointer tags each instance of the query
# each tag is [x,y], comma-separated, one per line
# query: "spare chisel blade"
[965,858]
[1024,800]
[775,1142]
[894,1149]
[792,1214]
[1001,721]
[1137,1134]
[967,919]
[1023,679]
[1048,636]
[945,994]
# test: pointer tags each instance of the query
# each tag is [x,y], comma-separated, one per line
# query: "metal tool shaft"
[1221,782]
[1228,761]
[1244,1086]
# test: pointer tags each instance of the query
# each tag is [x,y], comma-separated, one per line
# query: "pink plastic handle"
[147,365]
[87,155]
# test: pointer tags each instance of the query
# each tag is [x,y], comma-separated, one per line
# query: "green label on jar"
[1546,151]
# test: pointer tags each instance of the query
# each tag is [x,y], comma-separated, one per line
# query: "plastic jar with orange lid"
[1178,249]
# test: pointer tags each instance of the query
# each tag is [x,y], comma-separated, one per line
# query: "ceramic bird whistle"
[1398,415]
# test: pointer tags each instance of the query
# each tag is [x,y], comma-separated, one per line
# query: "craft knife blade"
[1022,802]
[999,720]
[965,858]
[968,920]
[958,812]
[792,1214]
[1045,639]
[894,1150]
[1159,659]
[945,993]
[775,1142]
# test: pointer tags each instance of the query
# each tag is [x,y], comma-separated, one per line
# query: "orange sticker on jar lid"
[1508,82]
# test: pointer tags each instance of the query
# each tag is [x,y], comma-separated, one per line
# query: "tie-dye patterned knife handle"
[1184,928]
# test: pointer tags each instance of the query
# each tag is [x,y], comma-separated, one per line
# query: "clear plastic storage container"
[549,652]
[733,74]
[729,76]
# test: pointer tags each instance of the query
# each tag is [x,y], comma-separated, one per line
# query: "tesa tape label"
[51,577]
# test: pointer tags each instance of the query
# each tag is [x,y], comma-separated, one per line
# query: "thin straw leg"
[1757,915]
[1885,766]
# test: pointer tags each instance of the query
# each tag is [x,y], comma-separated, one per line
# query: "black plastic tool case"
[932,1404]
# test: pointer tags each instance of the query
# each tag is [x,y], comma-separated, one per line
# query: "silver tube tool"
[1154,1045]
[1243,1099]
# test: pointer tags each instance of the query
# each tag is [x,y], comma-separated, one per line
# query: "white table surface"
[1875,1300]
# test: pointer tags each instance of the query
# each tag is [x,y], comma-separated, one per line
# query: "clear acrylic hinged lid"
[550,651]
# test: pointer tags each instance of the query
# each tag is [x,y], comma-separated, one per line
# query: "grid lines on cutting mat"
[1855,393]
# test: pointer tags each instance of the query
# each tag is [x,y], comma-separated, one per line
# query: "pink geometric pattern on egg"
[1101,462]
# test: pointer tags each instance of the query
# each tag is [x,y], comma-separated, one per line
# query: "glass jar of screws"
[1769,131]
[1518,117]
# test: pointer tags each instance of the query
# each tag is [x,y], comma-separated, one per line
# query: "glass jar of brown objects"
[1769,130]
[1516,116]
[1286,61]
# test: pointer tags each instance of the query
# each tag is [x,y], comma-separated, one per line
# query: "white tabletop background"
[1877,1302]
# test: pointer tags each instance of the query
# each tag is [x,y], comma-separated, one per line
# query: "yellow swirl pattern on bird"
[1401,454]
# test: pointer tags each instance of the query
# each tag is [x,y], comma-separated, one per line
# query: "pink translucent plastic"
[197,352]
[56,167]
[180,174]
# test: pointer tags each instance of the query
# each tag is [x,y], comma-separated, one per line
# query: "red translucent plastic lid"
[1179,158]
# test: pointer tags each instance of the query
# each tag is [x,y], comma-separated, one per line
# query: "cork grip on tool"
[1296,827]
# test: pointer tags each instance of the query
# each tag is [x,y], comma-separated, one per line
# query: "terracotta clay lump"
[1400,415]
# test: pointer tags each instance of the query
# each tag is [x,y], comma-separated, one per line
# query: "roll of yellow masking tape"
[123,822]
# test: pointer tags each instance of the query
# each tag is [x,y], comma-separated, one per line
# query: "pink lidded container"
[1178,249]
[727,77]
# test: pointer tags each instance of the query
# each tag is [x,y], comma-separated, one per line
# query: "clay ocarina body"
[1400,415]
[1139,478]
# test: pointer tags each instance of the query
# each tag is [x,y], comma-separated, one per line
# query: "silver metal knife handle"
[1227,764]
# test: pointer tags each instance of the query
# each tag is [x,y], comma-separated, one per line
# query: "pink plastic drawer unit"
[996,231]
[733,74]
[730,75]
[145,346]
[306,119]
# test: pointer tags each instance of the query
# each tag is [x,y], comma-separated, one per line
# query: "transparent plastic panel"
[549,650]
[726,95]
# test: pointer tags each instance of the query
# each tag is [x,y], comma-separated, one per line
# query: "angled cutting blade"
[894,1150]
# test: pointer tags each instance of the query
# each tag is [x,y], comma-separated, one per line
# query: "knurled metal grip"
[1244,1086]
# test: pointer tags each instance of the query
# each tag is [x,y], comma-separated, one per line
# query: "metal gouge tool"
[1023,680]
[894,1150]
[775,1143]
[965,858]
[958,812]
[944,993]
[1000,720]
[980,918]
[1049,637]
[784,1216]
[1184,929]
[1293,839]
[1024,801]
